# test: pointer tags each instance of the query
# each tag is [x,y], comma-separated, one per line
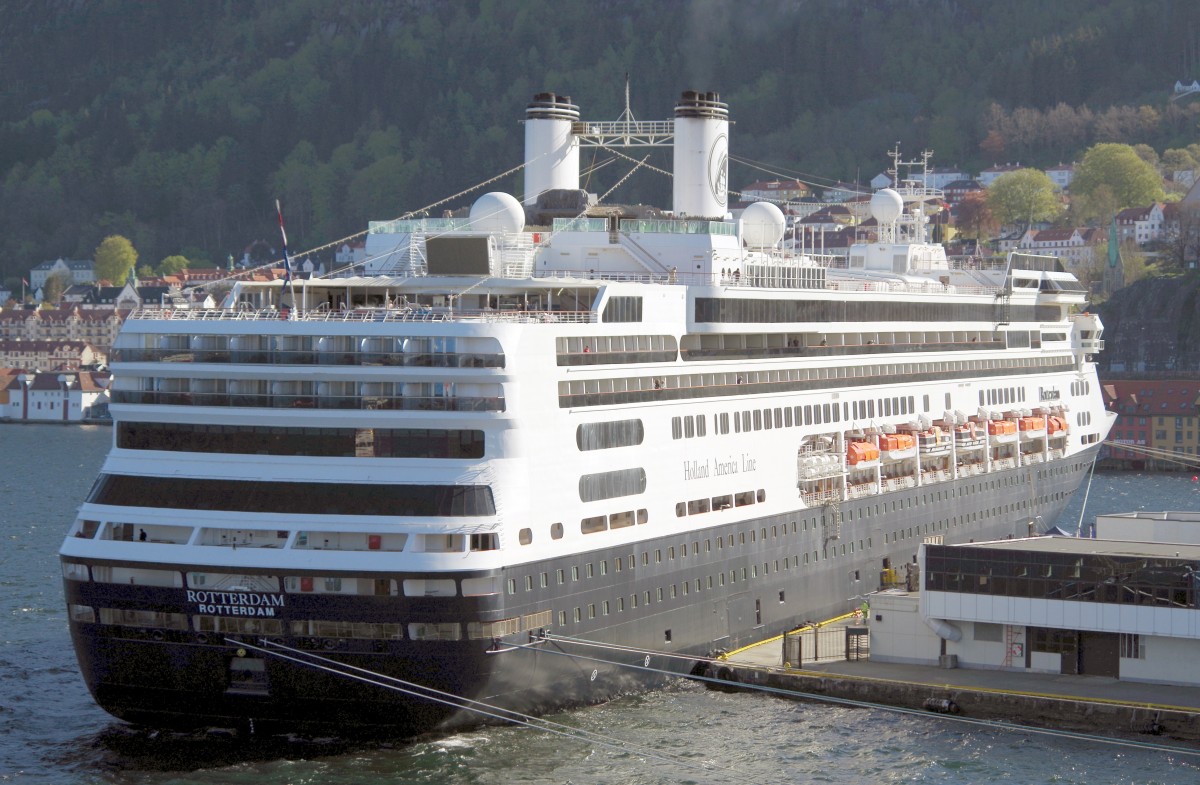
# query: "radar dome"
[762,225]
[497,212]
[886,206]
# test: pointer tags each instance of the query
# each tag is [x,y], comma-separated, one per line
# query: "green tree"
[53,288]
[145,272]
[173,264]
[1023,197]
[115,258]
[1133,181]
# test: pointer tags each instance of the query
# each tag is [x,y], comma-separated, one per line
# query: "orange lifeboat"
[1001,427]
[1032,423]
[861,452]
[1057,424]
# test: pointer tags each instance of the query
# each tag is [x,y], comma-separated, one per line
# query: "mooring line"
[459,702]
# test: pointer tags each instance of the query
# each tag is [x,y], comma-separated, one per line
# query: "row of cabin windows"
[323,442]
[589,570]
[319,629]
[998,396]
[718,503]
[687,427]
[744,498]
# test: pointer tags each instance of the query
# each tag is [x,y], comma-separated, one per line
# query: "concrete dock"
[1103,706]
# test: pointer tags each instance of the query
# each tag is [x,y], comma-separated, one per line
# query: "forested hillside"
[177,124]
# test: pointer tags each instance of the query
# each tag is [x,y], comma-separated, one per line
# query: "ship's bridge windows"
[137,576]
[238,625]
[297,498]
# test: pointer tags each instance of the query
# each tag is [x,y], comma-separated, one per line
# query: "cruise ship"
[512,464]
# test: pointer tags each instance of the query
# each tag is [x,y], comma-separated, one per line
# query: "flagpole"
[287,266]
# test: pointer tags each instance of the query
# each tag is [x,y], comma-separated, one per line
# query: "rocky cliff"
[1152,328]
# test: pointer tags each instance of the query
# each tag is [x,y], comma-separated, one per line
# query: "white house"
[52,396]
[1061,175]
[71,270]
[1141,224]
[989,175]
[1075,246]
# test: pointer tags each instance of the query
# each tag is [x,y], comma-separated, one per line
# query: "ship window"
[618,433]
[596,523]
[293,497]
[430,631]
[611,485]
[485,542]
[123,617]
[75,572]
[525,536]
[676,427]
[337,442]
[623,309]
[512,585]
[429,587]
[82,613]
[556,531]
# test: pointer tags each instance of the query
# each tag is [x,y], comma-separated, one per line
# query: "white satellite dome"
[886,206]
[497,212]
[762,225]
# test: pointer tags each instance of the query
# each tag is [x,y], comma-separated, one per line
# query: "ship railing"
[899,483]
[1004,463]
[934,475]
[971,469]
[309,357]
[1055,453]
[365,315]
[858,490]
[457,403]
[820,498]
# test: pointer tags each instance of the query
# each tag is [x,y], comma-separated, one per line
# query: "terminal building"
[1123,605]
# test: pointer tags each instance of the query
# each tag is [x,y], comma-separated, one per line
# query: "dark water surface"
[51,732]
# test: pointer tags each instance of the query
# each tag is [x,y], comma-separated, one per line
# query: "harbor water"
[53,733]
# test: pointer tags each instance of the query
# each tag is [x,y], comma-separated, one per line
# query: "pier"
[1084,704]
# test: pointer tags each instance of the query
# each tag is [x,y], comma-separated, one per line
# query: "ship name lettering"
[727,467]
[748,463]
[695,470]
[227,603]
